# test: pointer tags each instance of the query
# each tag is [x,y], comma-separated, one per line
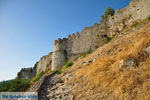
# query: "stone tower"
[59,56]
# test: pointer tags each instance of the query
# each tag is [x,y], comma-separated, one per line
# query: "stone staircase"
[52,87]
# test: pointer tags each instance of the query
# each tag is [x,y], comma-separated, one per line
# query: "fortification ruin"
[90,37]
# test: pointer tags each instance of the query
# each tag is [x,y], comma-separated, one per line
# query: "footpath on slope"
[52,87]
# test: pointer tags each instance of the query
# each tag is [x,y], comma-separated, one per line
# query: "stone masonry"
[90,38]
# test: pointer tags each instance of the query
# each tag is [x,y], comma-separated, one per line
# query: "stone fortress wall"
[45,63]
[42,65]
[90,37]
[27,73]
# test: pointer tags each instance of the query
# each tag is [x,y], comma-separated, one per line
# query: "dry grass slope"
[104,79]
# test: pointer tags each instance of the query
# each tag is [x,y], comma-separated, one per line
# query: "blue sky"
[28,28]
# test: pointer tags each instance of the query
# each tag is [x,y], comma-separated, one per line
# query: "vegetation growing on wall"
[60,71]
[85,54]
[37,77]
[68,64]
[136,24]
[107,40]
[109,11]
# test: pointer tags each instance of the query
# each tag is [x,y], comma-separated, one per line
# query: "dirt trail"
[54,88]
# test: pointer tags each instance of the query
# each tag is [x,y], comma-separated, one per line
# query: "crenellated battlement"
[60,41]
[77,34]
[90,37]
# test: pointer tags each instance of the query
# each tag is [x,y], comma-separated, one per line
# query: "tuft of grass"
[89,51]
[136,24]
[107,40]
[49,71]
[84,54]
[37,77]
[68,64]
[60,71]
[148,18]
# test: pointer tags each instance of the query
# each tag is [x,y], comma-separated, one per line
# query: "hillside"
[90,38]
[118,70]
[106,75]
[107,61]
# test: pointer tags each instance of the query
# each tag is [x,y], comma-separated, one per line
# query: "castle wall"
[137,10]
[89,37]
[27,73]
[45,63]
[60,50]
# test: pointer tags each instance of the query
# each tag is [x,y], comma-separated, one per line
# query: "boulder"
[147,50]
[131,63]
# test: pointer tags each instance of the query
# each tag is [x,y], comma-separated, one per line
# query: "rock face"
[90,37]
[27,73]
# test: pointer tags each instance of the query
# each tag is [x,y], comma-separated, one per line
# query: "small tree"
[109,11]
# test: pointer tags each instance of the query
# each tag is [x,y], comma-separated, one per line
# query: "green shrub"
[148,18]
[16,85]
[49,71]
[107,40]
[68,64]
[60,71]
[109,11]
[89,51]
[135,24]
[37,77]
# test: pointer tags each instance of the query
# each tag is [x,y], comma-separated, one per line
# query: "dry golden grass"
[105,79]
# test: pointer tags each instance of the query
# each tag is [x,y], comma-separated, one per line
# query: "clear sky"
[28,28]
